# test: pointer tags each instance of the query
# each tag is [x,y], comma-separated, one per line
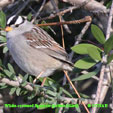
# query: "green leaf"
[82,48]
[12,90]
[3,87]
[23,92]
[46,28]
[5,49]
[25,78]
[57,110]
[37,89]
[3,33]
[47,82]
[109,58]
[86,76]
[8,73]
[2,19]
[67,93]
[24,83]
[3,39]
[21,76]
[108,46]
[51,93]
[98,34]
[30,79]
[1,74]
[18,91]
[13,77]
[2,84]
[1,62]
[84,96]
[94,53]
[31,96]
[85,63]
[78,109]
[108,4]
[10,67]
[29,17]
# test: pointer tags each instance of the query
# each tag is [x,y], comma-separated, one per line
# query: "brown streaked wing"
[39,39]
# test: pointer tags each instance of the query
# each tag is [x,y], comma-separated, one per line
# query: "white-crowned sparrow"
[33,49]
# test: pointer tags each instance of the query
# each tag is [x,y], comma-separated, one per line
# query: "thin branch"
[37,77]
[78,41]
[60,18]
[91,5]
[69,9]
[109,22]
[59,13]
[42,6]
[62,32]
[4,3]
[22,7]
[85,19]
[79,38]
[30,88]
[76,91]
[3,44]
[97,100]
[15,83]
[1,68]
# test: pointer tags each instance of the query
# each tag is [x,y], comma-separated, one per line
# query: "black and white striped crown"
[15,20]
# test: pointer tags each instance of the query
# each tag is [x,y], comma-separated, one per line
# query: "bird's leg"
[43,81]
[37,77]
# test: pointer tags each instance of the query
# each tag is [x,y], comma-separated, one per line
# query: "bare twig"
[106,83]
[22,7]
[68,100]
[66,73]
[37,77]
[85,19]
[111,69]
[59,13]
[91,5]
[76,91]
[60,18]
[70,9]
[4,3]
[109,22]
[43,82]
[3,44]
[78,41]
[15,83]
[99,88]
[97,100]
[30,88]
[79,38]
[62,32]
[1,68]
[42,6]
